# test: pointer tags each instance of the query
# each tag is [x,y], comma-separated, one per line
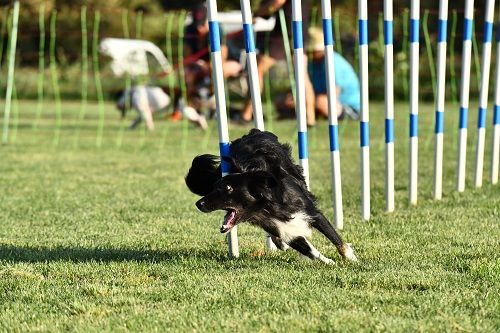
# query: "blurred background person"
[346,80]
[266,9]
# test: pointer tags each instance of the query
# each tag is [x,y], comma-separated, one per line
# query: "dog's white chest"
[297,226]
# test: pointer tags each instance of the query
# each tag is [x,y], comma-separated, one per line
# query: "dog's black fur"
[266,189]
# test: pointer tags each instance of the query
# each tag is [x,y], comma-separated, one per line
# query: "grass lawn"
[109,239]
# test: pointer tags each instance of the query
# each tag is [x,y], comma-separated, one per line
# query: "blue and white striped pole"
[220,99]
[414,70]
[440,93]
[495,151]
[364,120]
[389,106]
[464,94]
[326,9]
[483,95]
[300,103]
[246,14]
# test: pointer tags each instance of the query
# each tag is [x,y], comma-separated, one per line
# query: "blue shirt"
[345,78]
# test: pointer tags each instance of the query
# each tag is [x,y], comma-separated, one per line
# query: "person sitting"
[265,62]
[197,72]
[346,80]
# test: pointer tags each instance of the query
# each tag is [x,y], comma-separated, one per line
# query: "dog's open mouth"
[229,220]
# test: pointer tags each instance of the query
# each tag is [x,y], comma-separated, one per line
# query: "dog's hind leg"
[279,243]
[307,249]
[325,227]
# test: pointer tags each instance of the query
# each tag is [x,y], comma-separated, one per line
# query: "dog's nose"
[201,205]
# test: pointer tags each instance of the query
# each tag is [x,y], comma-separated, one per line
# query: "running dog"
[266,189]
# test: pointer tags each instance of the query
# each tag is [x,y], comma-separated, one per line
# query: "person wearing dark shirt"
[196,48]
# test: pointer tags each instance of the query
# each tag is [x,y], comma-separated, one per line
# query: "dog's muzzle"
[201,205]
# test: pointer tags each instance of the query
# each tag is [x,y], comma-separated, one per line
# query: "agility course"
[103,234]
[300,104]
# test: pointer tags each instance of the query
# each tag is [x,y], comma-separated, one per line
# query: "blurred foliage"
[154,22]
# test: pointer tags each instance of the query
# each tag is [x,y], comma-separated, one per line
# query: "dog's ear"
[261,185]
[205,171]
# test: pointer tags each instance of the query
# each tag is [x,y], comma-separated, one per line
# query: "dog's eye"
[229,188]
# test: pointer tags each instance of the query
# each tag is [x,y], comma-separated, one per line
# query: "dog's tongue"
[228,221]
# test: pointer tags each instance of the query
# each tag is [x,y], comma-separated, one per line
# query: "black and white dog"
[266,189]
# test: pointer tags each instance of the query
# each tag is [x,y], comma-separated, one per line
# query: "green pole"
[267,89]
[380,25]
[180,54]
[405,52]
[2,32]
[428,47]
[97,78]
[128,82]
[138,34]
[10,75]
[41,65]
[336,26]
[85,69]
[288,55]
[138,25]
[477,62]
[453,75]
[15,113]
[53,72]
[356,57]
[170,76]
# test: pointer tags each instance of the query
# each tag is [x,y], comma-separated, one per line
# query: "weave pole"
[300,103]
[464,94]
[414,70]
[170,77]
[54,77]
[41,65]
[453,77]
[3,29]
[182,75]
[97,78]
[428,48]
[483,94]
[389,106]
[85,69]
[326,9]
[440,93]
[364,134]
[288,55]
[258,117]
[10,75]
[246,15]
[220,101]
[495,151]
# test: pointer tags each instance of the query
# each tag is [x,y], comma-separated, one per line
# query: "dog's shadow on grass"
[28,254]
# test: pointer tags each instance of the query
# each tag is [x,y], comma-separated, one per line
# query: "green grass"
[109,239]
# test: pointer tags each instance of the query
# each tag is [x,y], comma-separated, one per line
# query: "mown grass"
[109,239]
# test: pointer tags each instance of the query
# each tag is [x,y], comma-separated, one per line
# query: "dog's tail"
[205,171]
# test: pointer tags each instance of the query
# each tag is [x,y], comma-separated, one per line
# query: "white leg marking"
[319,256]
